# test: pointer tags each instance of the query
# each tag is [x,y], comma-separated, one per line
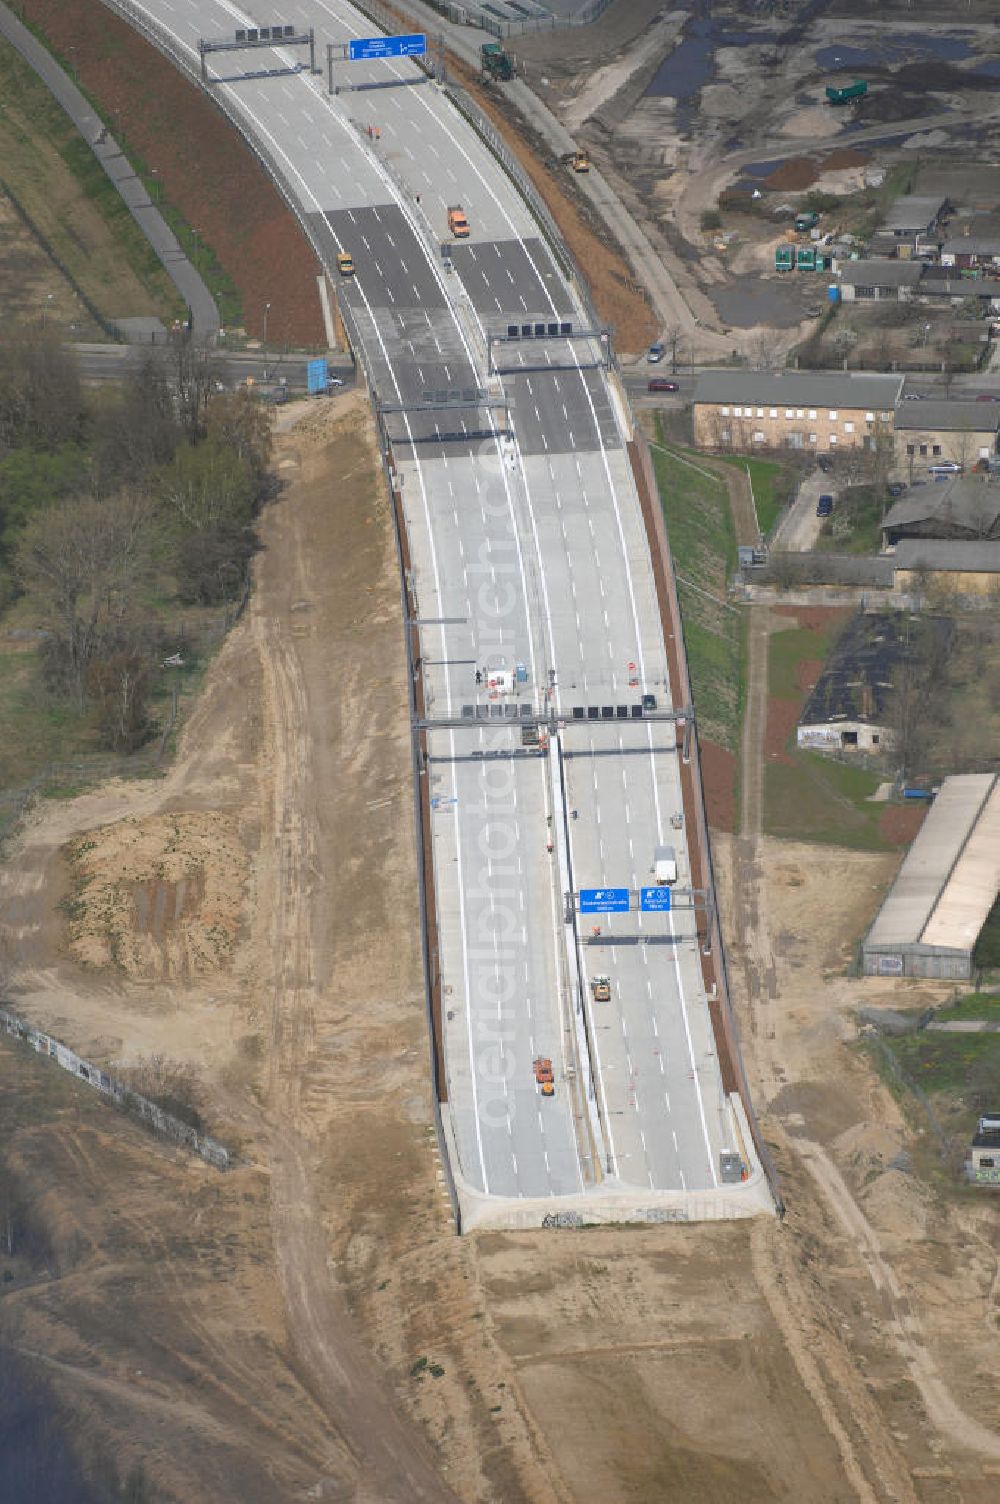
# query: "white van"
[665,865]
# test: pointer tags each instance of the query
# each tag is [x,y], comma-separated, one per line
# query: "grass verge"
[772,482]
[703,543]
[813,798]
[74,209]
[975,1005]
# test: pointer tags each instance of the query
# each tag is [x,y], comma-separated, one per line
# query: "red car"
[660,384]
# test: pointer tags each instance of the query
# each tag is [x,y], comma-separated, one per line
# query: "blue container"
[833,292]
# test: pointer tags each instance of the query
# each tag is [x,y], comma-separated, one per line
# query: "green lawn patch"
[703,543]
[787,649]
[814,798]
[38,729]
[976,1005]
[773,481]
[944,1062]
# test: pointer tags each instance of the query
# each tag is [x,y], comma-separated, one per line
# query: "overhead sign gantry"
[254,38]
[382,49]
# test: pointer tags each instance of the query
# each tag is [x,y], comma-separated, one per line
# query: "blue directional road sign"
[604,900]
[362,48]
[654,900]
[316,375]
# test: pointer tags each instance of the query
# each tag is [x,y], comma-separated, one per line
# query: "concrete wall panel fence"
[130,1101]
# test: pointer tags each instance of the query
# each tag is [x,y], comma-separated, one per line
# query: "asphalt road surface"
[534,586]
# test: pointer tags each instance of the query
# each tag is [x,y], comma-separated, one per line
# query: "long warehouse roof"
[948,881]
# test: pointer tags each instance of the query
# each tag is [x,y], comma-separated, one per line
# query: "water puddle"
[910,46]
[685,71]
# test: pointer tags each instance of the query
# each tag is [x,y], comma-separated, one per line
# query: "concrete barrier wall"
[130,1101]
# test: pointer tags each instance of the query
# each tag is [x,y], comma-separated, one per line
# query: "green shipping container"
[857,90]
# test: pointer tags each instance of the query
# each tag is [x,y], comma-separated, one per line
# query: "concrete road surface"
[533,584]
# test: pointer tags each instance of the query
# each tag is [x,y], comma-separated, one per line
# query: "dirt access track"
[308,1325]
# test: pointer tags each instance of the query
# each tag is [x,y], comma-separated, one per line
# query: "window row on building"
[797,412]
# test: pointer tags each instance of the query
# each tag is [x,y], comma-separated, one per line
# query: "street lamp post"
[267,310]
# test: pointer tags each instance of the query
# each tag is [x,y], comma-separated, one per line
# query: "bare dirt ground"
[761,100]
[891,1312]
[308,1326]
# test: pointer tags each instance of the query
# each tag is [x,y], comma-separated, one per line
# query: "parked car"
[987,397]
[825,463]
[660,384]
[914,396]
[656,353]
[945,467]
[332,382]
[824,506]
[895,489]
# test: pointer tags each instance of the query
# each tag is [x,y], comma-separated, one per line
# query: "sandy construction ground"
[308,1326]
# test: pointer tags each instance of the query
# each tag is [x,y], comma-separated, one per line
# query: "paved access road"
[535,594]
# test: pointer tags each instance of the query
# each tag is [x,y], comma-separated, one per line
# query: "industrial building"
[931,918]
[964,509]
[910,224]
[847,708]
[984,1160]
[964,432]
[817,410]
[878,279]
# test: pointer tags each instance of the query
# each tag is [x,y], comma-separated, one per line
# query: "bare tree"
[239,422]
[79,561]
[196,374]
[136,433]
[880,454]
[119,683]
[907,715]
[208,485]
[672,339]
[41,399]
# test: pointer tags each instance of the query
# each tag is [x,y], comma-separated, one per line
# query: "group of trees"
[108,501]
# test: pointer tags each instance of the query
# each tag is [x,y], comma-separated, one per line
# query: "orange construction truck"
[457,222]
[544,1076]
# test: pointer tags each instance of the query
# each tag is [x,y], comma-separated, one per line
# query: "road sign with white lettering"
[604,900]
[654,900]
[363,48]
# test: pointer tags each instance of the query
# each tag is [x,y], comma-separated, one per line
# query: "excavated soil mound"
[159,899]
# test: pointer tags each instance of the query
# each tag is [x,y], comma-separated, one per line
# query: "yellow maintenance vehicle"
[579,160]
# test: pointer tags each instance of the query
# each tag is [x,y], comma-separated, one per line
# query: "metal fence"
[474,16]
[128,1100]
